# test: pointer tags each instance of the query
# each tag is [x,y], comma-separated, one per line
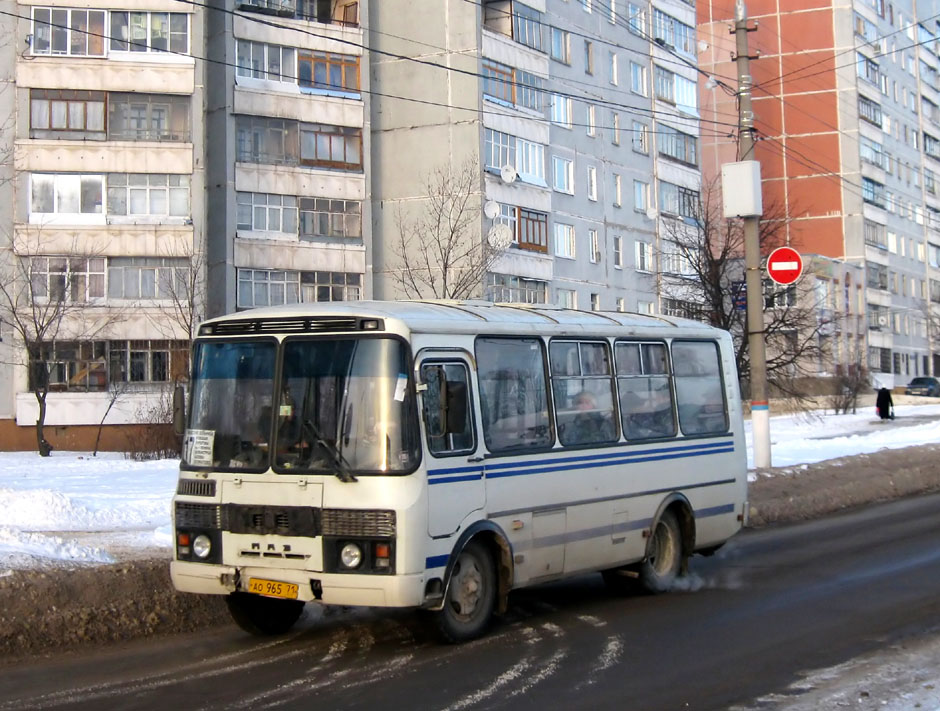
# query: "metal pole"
[760,412]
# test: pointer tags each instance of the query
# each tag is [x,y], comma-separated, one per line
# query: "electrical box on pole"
[740,189]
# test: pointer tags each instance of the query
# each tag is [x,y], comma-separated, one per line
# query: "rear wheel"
[263,616]
[471,595]
[660,569]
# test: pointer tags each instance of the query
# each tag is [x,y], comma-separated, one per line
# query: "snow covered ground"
[74,507]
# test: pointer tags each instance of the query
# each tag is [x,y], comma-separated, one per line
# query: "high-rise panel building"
[845,100]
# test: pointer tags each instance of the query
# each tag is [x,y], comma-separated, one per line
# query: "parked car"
[923,386]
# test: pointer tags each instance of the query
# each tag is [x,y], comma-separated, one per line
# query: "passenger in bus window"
[589,425]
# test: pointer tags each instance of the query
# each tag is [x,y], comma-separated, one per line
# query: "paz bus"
[438,455]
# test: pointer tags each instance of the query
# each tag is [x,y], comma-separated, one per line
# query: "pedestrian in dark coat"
[885,404]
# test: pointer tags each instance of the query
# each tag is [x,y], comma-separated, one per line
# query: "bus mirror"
[455,408]
[179,409]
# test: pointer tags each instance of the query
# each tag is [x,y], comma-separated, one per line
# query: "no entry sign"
[784,265]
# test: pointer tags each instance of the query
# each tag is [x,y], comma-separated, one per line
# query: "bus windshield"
[341,405]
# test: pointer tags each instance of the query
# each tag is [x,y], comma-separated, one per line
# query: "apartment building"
[103,184]
[580,116]
[846,109]
[287,154]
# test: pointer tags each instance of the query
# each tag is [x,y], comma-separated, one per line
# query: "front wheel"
[263,616]
[660,569]
[471,595]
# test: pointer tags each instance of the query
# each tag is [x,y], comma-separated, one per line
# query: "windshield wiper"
[342,472]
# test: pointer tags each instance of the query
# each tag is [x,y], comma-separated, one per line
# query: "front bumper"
[334,589]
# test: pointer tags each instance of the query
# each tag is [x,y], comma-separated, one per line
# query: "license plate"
[272,588]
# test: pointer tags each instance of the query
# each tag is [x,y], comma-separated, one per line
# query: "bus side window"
[513,393]
[583,392]
[645,394]
[699,392]
[448,417]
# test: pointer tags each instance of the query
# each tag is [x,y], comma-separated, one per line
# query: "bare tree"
[440,249]
[45,302]
[701,265]
[184,292]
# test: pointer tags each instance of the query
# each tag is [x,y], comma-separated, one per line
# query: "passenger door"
[454,470]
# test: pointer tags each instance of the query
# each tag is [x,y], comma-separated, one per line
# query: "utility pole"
[760,411]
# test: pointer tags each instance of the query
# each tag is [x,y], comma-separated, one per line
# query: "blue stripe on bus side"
[436,561]
[715,511]
[437,476]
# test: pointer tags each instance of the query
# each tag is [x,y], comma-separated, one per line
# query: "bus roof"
[450,316]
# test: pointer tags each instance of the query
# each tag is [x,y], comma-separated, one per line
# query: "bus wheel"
[661,567]
[263,616]
[471,595]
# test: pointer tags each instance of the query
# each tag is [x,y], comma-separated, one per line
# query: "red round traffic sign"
[784,265]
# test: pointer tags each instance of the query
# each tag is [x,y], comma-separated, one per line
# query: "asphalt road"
[772,604]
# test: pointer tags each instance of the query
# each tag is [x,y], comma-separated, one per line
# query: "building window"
[683,309]
[664,84]
[66,194]
[595,302]
[330,286]
[674,34]
[876,235]
[150,32]
[518,290]
[618,190]
[638,83]
[592,183]
[499,149]
[148,194]
[266,140]
[561,45]
[530,161]
[76,33]
[641,196]
[615,128]
[641,137]
[644,256]
[594,244]
[264,287]
[257,60]
[325,11]
[498,81]
[563,175]
[613,71]
[618,251]
[874,192]
[132,278]
[871,152]
[533,230]
[148,117]
[678,200]
[590,125]
[636,21]
[644,307]
[561,110]
[62,113]
[324,217]
[526,24]
[778,297]
[564,241]
[868,70]
[869,110]
[267,213]
[566,298]
[328,72]
[328,146]
[529,90]
[678,145]
[621,304]
[74,279]
[147,361]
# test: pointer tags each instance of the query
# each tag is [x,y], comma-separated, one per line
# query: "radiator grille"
[196,487]
[351,522]
[198,515]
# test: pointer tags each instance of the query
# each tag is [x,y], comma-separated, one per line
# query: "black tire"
[470,597]
[664,559]
[263,616]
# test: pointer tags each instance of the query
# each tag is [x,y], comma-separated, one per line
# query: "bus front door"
[455,471]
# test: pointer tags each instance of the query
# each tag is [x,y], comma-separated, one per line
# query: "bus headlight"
[202,546]
[350,556]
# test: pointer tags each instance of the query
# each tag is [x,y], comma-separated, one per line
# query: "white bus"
[439,454]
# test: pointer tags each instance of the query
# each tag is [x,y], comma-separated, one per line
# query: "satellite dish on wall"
[652,213]
[491,209]
[499,236]
[508,174]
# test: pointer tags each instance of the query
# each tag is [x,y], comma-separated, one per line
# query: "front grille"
[196,487]
[352,522]
[198,515]
[311,324]
[276,520]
